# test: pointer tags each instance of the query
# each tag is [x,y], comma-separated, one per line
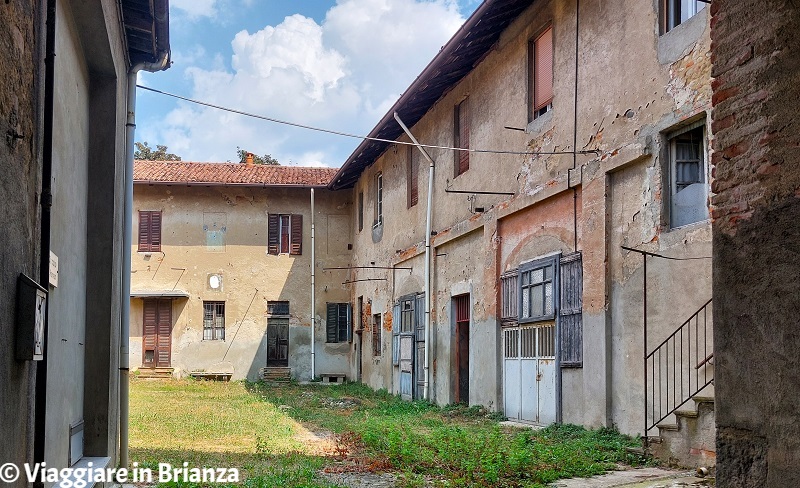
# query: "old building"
[64,99]
[221,274]
[756,209]
[589,140]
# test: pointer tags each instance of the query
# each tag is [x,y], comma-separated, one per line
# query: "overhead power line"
[356,136]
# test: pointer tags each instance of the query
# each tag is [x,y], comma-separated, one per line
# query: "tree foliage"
[145,152]
[265,159]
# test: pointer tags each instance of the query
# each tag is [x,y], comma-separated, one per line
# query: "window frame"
[671,140]
[378,199]
[150,223]
[377,335]
[412,178]
[360,211]
[275,226]
[461,133]
[671,16]
[335,331]
[530,267]
[537,108]
[217,310]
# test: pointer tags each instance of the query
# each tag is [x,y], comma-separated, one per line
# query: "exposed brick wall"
[756,212]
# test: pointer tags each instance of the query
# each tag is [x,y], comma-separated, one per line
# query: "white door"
[529,386]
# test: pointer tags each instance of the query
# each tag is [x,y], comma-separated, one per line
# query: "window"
[378,200]
[213,321]
[338,324]
[688,188]
[376,335]
[360,211]
[412,176]
[285,234]
[149,231]
[277,307]
[461,136]
[540,74]
[676,12]
[536,291]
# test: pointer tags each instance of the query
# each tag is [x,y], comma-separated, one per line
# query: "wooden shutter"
[412,177]
[543,69]
[396,334]
[273,234]
[144,231]
[509,303]
[332,325]
[155,231]
[296,246]
[164,333]
[570,313]
[150,331]
[462,121]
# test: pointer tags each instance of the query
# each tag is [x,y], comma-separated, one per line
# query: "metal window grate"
[278,307]
[213,321]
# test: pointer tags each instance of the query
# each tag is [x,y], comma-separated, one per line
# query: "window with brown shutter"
[461,137]
[412,177]
[149,231]
[540,76]
[285,234]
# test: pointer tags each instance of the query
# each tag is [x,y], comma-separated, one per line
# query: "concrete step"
[155,373]
[690,440]
[274,374]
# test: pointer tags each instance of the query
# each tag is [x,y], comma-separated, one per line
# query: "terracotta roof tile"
[189,173]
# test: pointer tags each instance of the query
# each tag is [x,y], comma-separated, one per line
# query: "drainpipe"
[313,290]
[160,64]
[426,381]
[46,203]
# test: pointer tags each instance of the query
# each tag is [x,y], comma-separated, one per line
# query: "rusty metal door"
[529,373]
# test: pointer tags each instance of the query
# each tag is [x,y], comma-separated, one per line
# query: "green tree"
[265,159]
[145,152]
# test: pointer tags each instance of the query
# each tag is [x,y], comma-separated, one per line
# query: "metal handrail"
[675,367]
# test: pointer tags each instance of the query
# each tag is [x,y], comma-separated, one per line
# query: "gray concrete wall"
[20,165]
[245,267]
[634,86]
[756,213]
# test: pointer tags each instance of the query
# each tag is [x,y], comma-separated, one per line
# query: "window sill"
[541,122]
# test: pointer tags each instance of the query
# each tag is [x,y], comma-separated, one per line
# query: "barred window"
[213,321]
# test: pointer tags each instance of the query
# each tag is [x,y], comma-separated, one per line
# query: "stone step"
[275,374]
[155,373]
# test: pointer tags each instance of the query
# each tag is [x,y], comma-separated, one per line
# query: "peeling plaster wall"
[634,86]
[245,267]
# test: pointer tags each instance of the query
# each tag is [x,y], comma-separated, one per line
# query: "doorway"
[157,333]
[277,342]
[461,306]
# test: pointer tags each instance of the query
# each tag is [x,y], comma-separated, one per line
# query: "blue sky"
[333,64]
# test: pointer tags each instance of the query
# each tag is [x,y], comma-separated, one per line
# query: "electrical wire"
[356,136]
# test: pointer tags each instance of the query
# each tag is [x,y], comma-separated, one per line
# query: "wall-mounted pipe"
[428,216]
[313,292]
[160,64]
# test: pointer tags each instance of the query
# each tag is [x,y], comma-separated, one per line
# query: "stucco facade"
[222,231]
[63,106]
[634,88]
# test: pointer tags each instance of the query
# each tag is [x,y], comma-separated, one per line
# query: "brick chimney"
[249,159]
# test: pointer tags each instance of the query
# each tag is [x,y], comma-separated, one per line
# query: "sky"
[339,65]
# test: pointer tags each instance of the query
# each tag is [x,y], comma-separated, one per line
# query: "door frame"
[159,302]
[462,334]
[284,363]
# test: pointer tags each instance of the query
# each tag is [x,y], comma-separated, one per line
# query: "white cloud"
[342,74]
[196,8]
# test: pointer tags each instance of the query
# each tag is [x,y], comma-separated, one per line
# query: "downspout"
[428,212]
[46,202]
[160,64]
[313,291]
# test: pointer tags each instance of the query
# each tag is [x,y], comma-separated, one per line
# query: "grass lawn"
[285,435]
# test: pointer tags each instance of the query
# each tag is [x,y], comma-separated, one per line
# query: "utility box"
[31,313]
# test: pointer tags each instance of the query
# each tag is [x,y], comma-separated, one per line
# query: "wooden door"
[157,333]
[278,343]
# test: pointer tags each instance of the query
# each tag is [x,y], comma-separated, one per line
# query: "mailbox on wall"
[31,313]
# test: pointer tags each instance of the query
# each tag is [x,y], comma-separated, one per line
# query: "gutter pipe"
[162,63]
[313,291]
[428,215]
